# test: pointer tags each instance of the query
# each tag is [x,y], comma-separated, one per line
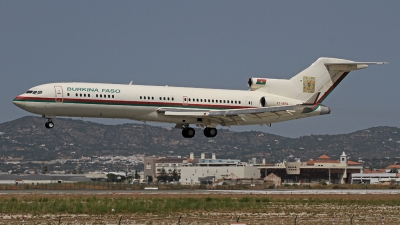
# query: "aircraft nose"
[18,101]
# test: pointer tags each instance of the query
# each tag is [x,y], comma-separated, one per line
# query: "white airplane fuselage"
[140,102]
[268,100]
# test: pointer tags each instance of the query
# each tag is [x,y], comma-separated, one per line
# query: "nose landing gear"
[49,124]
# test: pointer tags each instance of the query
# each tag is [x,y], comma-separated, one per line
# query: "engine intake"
[256,83]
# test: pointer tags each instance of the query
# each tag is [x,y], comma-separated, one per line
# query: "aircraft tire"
[188,132]
[49,125]
[210,132]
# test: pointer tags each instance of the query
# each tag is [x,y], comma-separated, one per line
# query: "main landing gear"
[189,132]
[49,124]
[210,132]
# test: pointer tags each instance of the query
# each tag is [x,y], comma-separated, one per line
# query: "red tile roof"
[394,166]
[324,157]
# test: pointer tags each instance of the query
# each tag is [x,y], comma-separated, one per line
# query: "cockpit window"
[29,91]
[39,92]
[34,92]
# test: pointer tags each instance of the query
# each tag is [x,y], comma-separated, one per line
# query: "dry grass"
[199,209]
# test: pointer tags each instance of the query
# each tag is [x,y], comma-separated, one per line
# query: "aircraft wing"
[229,117]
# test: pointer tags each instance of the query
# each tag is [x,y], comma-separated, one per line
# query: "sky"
[208,44]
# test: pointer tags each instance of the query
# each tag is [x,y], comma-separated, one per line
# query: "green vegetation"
[94,205]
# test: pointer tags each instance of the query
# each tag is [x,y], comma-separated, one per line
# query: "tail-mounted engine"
[256,83]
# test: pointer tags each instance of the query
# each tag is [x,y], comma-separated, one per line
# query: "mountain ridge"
[28,138]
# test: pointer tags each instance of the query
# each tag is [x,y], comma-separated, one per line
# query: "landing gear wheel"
[210,132]
[49,124]
[188,132]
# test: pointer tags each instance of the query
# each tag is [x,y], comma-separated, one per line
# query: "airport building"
[323,169]
[194,170]
[42,178]
[374,178]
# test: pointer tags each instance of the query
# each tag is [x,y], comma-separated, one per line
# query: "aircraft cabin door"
[58,93]
[185,100]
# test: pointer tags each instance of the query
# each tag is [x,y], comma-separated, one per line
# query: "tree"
[163,176]
[175,176]
[394,170]
[137,176]
[45,170]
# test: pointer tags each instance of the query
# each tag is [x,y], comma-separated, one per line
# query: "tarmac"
[197,192]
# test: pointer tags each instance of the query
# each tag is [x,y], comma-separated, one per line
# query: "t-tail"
[312,85]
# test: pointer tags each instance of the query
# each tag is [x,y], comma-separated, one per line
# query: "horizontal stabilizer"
[349,66]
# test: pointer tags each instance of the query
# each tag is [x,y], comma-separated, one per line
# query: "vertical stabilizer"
[316,82]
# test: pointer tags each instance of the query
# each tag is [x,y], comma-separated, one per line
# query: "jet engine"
[256,83]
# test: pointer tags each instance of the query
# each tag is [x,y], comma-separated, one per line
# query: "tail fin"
[316,82]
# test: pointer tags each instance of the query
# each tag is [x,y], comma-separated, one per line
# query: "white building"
[196,171]
[373,178]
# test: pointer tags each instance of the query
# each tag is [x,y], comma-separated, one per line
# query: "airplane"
[267,101]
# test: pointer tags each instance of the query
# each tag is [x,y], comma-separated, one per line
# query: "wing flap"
[230,116]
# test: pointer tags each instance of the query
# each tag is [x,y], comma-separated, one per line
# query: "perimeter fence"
[193,220]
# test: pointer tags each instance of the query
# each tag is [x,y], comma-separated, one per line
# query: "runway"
[205,192]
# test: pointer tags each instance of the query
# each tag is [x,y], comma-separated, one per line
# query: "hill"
[28,138]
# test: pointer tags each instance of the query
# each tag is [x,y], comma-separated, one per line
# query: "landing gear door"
[58,93]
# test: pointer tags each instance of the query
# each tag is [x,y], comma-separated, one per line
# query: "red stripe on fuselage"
[133,103]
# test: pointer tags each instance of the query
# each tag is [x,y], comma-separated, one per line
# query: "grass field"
[200,209]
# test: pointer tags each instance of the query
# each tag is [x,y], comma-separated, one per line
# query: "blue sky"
[211,44]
